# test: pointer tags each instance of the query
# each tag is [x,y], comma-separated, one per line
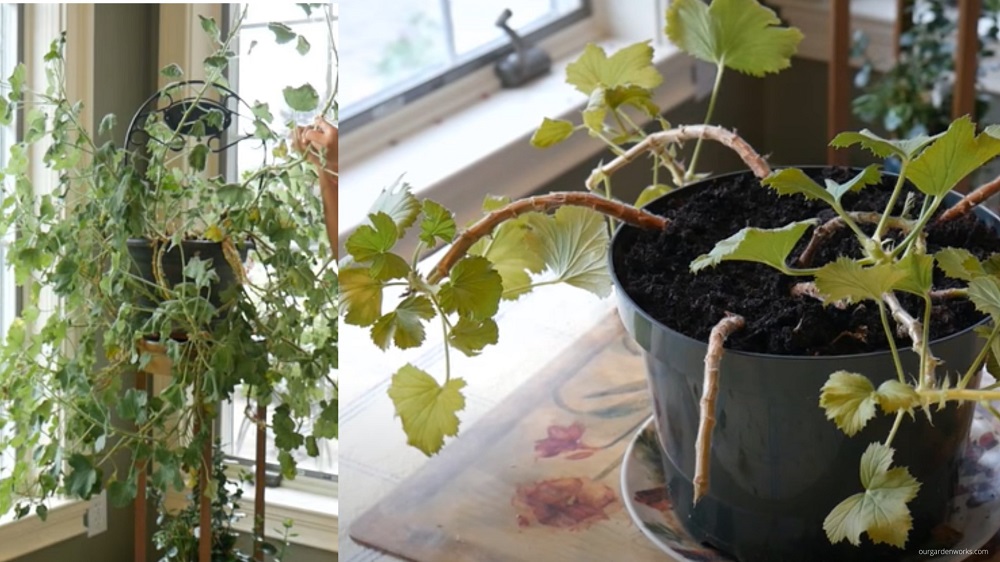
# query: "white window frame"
[42,23]
[314,507]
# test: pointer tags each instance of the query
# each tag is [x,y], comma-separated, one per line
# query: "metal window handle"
[525,63]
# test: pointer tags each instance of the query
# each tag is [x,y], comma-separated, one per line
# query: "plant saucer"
[975,512]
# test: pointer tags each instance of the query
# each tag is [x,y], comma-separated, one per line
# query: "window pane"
[475,20]
[8,58]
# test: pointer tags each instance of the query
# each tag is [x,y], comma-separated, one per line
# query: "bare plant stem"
[943,294]
[713,358]
[656,142]
[827,229]
[541,204]
[928,362]
[970,201]
[808,289]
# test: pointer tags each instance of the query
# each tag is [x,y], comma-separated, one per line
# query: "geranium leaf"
[893,396]
[573,243]
[438,223]
[769,246]
[906,149]
[918,273]
[360,296]
[427,409]
[881,510]
[866,177]
[954,155]
[371,243]
[403,326]
[849,400]
[984,292]
[473,289]
[82,480]
[959,263]
[471,336]
[793,181]
[303,98]
[399,203]
[551,131]
[846,279]
[652,192]
[740,34]
[631,66]
[513,250]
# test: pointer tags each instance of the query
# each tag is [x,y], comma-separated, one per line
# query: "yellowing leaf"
[959,263]
[552,131]
[951,157]
[762,245]
[893,396]
[881,509]
[573,243]
[632,65]
[513,250]
[471,336]
[918,273]
[403,326]
[846,279]
[739,34]
[849,400]
[360,296]
[473,289]
[652,192]
[214,233]
[427,409]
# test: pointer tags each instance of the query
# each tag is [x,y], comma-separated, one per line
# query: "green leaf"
[428,410]
[303,98]
[739,34]
[399,203]
[893,396]
[918,273]
[403,326]
[849,400]
[438,223]
[473,289]
[573,243]
[846,279]
[552,131]
[16,82]
[471,336]
[881,510]
[172,70]
[122,492]
[197,157]
[369,241]
[793,181]
[132,406]
[108,123]
[282,33]
[959,263]
[302,45]
[992,264]
[81,481]
[984,292]
[651,193]
[360,296]
[762,245]
[210,27]
[866,177]
[631,66]
[951,157]
[905,149]
[389,266]
[514,251]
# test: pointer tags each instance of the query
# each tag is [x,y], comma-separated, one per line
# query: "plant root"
[914,329]
[827,229]
[541,204]
[972,200]
[656,142]
[703,444]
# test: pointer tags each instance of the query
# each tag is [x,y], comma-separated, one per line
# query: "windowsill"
[24,536]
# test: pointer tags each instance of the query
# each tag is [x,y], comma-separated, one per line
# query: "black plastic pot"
[174,259]
[778,466]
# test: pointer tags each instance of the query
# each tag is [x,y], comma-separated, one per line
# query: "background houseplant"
[88,320]
[496,257]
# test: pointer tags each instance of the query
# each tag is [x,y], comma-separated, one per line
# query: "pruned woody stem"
[915,330]
[827,229]
[970,201]
[709,394]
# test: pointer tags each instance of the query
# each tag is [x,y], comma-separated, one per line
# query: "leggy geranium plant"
[500,256]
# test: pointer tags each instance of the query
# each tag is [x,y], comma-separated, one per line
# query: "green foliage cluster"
[71,418]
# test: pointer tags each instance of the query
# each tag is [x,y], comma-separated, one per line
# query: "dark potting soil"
[654,271]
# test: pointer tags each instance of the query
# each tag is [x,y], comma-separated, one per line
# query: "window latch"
[526,63]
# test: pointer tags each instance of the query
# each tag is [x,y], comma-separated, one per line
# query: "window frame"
[397,97]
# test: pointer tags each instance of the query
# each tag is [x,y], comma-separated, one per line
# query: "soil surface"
[653,270]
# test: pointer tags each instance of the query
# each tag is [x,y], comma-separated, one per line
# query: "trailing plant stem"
[895,427]
[713,359]
[974,198]
[892,342]
[928,362]
[880,229]
[541,204]
[708,117]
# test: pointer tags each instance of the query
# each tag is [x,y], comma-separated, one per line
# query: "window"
[260,77]
[399,50]
[8,59]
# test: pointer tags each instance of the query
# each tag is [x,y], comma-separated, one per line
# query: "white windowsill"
[24,536]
